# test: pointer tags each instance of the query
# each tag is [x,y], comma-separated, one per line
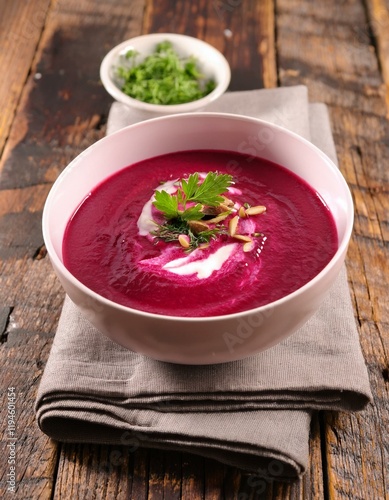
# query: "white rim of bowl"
[163,317]
[120,96]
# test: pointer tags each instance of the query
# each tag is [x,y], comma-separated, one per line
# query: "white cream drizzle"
[145,221]
[202,267]
[234,190]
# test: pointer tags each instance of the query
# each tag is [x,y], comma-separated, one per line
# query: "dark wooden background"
[52,106]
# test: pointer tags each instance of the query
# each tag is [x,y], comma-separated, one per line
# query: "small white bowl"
[210,61]
[197,340]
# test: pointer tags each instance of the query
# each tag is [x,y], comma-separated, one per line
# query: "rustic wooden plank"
[21,25]
[312,485]
[62,110]
[5,313]
[327,56]
[214,479]
[243,30]
[60,107]
[92,471]
[327,48]
[192,482]
[172,476]
[156,475]
[37,476]
[379,24]
[140,475]
[237,483]
[27,338]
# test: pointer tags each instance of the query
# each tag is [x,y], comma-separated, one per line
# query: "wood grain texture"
[59,114]
[93,471]
[378,11]
[340,67]
[21,25]
[242,30]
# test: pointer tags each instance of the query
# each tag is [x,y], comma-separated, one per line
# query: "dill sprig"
[171,230]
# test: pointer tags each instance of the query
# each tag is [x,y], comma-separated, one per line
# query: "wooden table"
[53,106]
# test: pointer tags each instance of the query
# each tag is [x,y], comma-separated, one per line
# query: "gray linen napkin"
[254,413]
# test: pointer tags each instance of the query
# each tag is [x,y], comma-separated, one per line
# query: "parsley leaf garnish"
[207,192]
[192,213]
[190,186]
[167,204]
[186,206]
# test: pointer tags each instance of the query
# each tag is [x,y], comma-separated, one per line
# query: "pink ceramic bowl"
[208,339]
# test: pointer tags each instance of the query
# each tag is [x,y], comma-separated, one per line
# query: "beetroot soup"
[199,233]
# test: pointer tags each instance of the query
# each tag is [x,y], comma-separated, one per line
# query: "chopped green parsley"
[163,77]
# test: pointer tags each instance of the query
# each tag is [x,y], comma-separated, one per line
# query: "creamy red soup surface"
[268,234]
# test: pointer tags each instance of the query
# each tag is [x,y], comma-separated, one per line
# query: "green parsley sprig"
[207,192]
[187,205]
